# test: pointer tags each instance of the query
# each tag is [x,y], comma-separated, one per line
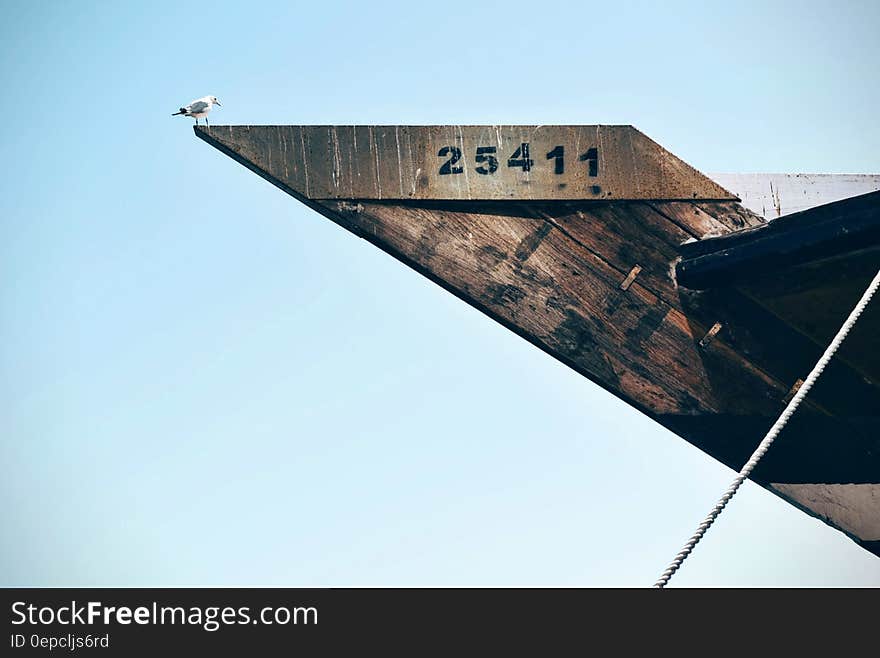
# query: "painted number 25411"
[486,160]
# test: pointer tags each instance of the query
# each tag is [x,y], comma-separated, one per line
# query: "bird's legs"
[206,122]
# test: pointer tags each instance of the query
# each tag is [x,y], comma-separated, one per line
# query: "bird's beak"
[217,103]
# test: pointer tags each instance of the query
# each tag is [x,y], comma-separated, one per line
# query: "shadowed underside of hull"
[574,247]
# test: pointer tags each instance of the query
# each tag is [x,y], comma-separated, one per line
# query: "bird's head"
[215,101]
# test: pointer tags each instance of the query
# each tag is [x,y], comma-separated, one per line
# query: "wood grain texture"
[707,220]
[553,272]
[552,275]
[440,162]
[563,294]
[815,298]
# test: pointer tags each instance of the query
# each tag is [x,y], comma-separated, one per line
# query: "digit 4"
[520,158]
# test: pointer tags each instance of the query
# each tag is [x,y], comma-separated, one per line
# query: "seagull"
[198,108]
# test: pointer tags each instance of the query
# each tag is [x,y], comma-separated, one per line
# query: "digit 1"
[592,157]
[559,154]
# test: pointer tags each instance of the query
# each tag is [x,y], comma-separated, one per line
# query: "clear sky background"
[203,382]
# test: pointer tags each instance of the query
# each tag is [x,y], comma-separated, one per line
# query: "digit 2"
[447,168]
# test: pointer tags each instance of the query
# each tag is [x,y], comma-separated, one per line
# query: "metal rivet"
[633,273]
[710,334]
[794,389]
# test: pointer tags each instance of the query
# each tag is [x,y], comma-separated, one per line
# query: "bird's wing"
[197,106]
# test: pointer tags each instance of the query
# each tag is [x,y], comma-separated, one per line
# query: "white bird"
[199,108]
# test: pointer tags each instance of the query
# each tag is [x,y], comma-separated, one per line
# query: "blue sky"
[203,382]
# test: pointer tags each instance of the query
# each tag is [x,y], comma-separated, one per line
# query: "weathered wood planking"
[778,348]
[775,249]
[566,297]
[466,162]
[563,296]
[808,268]
[592,284]
[628,235]
[815,298]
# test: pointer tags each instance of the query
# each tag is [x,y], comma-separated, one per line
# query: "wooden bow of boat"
[570,236]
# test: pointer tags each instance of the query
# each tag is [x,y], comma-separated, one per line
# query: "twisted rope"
[772,434]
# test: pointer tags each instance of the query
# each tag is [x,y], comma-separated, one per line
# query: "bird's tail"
[182,111]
